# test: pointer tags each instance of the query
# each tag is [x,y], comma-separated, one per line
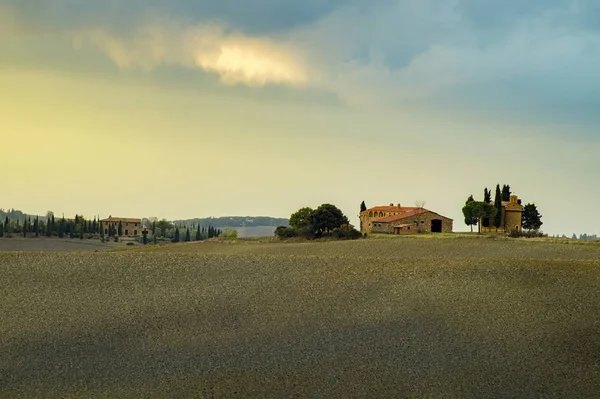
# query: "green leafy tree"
[326,218]
[477,210]
[470,219]
[164,225]
[506,192]
[229,233]
[145,236]
[301,218]
[498,207]
[120,229]
[531,218]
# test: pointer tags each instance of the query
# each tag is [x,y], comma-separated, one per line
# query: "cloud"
[476,55]
[235,57]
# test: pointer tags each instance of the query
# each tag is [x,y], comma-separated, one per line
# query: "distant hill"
[234,222]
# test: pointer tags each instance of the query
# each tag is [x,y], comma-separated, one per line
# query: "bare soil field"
[54,244]
[405,318]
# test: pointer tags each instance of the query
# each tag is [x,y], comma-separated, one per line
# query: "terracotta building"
[396,219]
[131,227]
[512,212]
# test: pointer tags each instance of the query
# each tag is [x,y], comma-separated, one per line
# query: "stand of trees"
[48,226]
[477,213]
[325,221]
[483,213]
[164,230]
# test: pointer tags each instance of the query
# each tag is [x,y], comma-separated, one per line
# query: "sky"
[196,108]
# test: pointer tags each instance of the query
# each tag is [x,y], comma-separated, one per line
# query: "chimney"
[514,199]
[392,204]
[399,206]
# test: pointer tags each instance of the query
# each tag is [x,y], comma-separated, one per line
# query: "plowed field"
[451,318]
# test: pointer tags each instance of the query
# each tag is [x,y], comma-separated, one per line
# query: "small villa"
[396,219]
[131,227]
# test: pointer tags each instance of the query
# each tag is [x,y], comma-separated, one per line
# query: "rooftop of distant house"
[123,220]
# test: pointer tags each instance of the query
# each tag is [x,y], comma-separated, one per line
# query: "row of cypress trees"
[72,228]
[202,233]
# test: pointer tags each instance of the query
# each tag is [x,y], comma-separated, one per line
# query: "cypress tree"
[188,237]
[498,206]
[487,198]
[176,238]
[120,230]
[1,229]
[7,225]
[53,227]
[49,228]
[363,206]
[61,228]
[506,192]
[81,233]
[72,230]
[198,236]
[36,227]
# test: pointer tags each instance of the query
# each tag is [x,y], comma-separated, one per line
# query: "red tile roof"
[412,212]
[388,208]
[125,220]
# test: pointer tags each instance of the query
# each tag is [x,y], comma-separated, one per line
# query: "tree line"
[175,232]
[50,226]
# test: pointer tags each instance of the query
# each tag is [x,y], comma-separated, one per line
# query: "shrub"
[116,238]
[229,233]
[130,244]
[346,232]
[285,232]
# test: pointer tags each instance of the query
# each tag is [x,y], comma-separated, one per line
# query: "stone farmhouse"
[131,227]
[396,219]
[512,211]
